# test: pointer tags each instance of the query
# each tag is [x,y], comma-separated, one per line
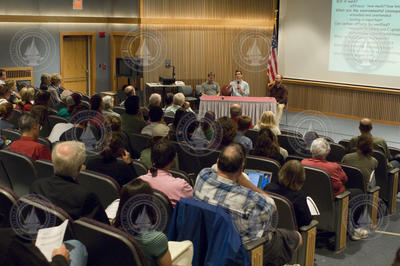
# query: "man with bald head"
[235,111]
[365,127]
[129,91]
[280,93]
[63,189]
[251,209]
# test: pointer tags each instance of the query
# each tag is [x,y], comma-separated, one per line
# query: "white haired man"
[178,102]
[154,100]
[108,106]
[63,190]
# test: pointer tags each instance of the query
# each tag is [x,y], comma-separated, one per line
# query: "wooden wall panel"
[381,106]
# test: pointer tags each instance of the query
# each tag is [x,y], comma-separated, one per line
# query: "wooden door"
[75,66]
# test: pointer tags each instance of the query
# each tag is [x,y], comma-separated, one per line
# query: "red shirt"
[338,176]
[30,147]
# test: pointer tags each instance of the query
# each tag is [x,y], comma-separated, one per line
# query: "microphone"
[238,82]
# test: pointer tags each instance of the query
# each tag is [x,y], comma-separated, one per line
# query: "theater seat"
[19,169]
[119,109]
[16,114]
[168,119]
[333,210]
[214,235]
[11,134]
[181,174]
[140,167]
[44,168]
[253,135]
[106,245]
[138,142]
[263,164]
[336,154]
[287,220]
[164,200]
[7,199]
[105,187]
[55,119]
[294,145]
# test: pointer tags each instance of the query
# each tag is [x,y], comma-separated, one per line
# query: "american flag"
[272,60]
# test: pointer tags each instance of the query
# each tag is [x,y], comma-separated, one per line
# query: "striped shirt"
[251,212]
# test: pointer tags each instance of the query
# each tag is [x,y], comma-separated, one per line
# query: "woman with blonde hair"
[27,95]
[267,120]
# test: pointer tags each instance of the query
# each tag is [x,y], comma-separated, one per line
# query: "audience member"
[280,93]
[320,149]
[41,113]
[145,155]
[60,128]
[380,144]
[28,143]
[108,106]
[3,76]
[156,115]
[267,120]
[267,146]
[251,209]
[235,111]
[168,100]
[108,163]
[6,111]
[15,97]
[63,188]
[239,87]
[229,131]
[153,244]
[162,156]
[129,91]
[42,98]
[53,89]
[5,93]
[27,95]
[154,100]
[188,133]
[178,102]
[75,131]
[45,81]
[206,131]
[71,100]
[132,120]
[210,87]
[291,179]
[63,98]
[362,158]
[243,123]
[175,132]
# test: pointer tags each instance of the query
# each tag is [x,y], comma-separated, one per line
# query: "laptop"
[259,178]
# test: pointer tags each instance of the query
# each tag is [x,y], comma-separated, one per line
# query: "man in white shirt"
[178,102]
[157,120]
[239,87]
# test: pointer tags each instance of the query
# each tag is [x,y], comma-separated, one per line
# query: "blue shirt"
[236,91]
[245,141]
[251,212]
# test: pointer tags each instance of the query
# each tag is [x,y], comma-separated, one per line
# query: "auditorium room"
[200,132]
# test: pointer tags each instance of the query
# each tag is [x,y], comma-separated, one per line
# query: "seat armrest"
[374,189]
[306,228]
[343,195]
[252,244]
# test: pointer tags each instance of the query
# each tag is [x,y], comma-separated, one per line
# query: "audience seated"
[267,146]
[320,149]
[28,143]
[59,128]
[168,100]
[154,100]
[243,124]
[41,113]
[106,162]
[156,115]
[5,93]
[153,244]
[16,250]
[63,189]
[235,111]
[132,120]
[42,98]
[174,132]
[365,127]
[27,95]
[14,96]
[71,100]
[362,158]
[162,156]
[129,91]
[53,89]
[108,106]
[267,120]
[205,130]
[178,102]
[44,81]
[145,155]
[291,179]
[251,209]
[229,131]
[6,111]
[75,131]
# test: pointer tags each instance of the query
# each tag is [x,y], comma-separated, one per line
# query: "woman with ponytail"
[162,158]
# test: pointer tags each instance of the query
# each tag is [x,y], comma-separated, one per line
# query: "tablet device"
[259,178]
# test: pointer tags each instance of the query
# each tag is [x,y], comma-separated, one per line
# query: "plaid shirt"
[251,212]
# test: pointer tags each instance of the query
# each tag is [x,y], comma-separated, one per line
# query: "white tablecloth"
[251,106]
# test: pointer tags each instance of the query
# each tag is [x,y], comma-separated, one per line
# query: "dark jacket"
[67,194]
[17,251]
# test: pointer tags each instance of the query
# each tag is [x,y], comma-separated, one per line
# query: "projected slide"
[365,37]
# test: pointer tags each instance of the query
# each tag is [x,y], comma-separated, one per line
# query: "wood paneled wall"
[342,101]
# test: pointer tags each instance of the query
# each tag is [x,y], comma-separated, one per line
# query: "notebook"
[259,178]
